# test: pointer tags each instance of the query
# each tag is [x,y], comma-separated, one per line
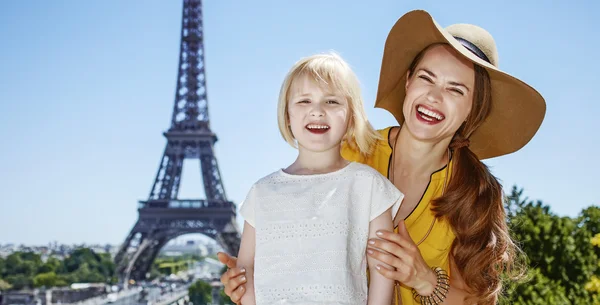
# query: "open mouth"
[429,115]
[317,128]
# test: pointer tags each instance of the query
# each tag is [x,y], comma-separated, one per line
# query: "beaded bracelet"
[439,292]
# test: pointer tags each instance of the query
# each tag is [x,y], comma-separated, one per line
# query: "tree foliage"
[561,256]
[200,293]
[22,270]
[4,285]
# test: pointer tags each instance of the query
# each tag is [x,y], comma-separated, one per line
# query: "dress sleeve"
[383,196]
[248,206]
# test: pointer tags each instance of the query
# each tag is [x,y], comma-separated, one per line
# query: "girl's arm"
[381,289]
[246,260]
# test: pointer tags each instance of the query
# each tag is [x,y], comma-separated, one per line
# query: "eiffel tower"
[163,216]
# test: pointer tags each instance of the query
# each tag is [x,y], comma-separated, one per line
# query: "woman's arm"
[399,251]
[458,289]
[246,260]
[234,279]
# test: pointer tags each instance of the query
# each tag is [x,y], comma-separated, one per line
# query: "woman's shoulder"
[382,142]
[351,153]
[388,129]
[385,132]
[379,156]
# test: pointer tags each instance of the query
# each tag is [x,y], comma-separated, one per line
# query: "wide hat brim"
[517,109]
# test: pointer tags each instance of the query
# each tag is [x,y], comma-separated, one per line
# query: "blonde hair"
[329,69]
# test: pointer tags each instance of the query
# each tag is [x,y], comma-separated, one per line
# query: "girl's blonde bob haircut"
[331,71]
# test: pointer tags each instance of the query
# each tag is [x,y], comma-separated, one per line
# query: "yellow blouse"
[436,246]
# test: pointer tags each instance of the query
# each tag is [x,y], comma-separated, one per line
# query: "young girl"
[306,226]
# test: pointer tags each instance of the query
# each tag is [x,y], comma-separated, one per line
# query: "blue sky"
[87,88]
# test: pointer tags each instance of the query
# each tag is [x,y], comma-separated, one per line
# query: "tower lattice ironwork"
[163,216]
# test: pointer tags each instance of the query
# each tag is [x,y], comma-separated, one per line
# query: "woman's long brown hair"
[483,250]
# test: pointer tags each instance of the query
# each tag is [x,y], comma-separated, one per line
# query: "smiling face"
[318,115]
[439,94]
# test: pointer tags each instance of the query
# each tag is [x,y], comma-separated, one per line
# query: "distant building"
[178,250]
[75,294]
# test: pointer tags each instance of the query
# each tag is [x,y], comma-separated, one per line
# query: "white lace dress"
[312,231]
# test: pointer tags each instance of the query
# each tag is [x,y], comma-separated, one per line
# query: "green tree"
[35,258]
[84,265]
[49,279]
[107,266]
[20,268]
[200,293]
[593,286]
[85,275]
[81,256]
[12,263]
[51,265]
[19,281]
[589,220]
[2,267]
[26,269]
[22,263]
[4,285]
[560,255]
[538,290]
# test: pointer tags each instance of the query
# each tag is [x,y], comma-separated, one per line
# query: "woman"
[454,108]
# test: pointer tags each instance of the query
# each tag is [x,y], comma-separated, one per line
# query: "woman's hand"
[399,251]
[234,279]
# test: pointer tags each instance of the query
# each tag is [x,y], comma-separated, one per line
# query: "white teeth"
[315,126]
[430,113]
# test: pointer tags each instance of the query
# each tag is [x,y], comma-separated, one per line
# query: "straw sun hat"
[517,109]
